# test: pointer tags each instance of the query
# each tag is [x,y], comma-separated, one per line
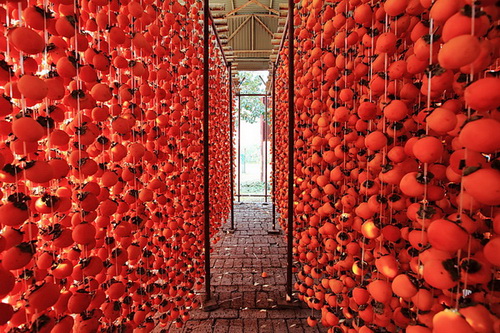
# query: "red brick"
[248,302]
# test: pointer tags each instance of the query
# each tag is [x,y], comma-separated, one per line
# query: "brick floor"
[248,302]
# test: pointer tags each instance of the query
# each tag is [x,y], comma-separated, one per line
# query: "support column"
[291,128]
[265,148]
[273,148]
[206,147]
[231,136]
[239,148]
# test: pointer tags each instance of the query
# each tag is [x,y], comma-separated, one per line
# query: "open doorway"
[253,138]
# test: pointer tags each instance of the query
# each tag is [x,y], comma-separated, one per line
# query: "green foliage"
[252,108]
[255,187]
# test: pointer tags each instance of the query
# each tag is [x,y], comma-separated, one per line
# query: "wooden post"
[291,138]
[231,130]
[206,147]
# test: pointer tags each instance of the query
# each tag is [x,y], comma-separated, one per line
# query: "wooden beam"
[252,51]
[219,21]
[217,6]
[256,14]
[264,26]
[253,59]
[239,28]
[232,4]
[206,138]
[258,3]
[218,14]
[249,2]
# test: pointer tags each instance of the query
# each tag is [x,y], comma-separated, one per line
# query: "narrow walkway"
[249,302]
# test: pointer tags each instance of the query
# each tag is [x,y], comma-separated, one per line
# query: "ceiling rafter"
[252,51]
[255,2]
[256,14]
[258,3]
[239,8]
[239,28]
[264,26]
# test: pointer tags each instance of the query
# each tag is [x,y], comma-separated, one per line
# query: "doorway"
[253,148]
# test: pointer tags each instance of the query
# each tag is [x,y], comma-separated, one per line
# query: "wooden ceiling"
[250,30]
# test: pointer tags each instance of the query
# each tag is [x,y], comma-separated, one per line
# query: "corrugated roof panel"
[264,40]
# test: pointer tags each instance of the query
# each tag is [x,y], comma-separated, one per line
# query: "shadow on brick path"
[248,302]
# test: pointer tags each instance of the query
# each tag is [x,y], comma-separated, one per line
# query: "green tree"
[252,108]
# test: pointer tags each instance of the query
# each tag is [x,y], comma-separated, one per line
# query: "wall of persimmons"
[101,158]
[396,181]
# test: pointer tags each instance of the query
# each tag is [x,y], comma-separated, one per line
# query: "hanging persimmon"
[482,184]
[26,40]
[459,51]
[481,135]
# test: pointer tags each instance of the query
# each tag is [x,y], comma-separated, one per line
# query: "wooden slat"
[256,14]
[217,6]
[252,51]
[252,59]
[219,21]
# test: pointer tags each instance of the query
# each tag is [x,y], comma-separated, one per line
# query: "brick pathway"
[248,302]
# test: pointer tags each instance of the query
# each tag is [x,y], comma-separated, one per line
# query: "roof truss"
[249,2]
